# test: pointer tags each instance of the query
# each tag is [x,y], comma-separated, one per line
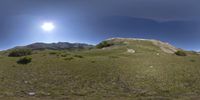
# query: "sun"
[48,26]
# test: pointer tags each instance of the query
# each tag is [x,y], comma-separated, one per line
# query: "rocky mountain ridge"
[55,46]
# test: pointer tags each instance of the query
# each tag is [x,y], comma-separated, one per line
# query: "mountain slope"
[111,73]
[166,47]
[55,46]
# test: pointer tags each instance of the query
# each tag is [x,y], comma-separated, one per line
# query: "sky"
[91,21]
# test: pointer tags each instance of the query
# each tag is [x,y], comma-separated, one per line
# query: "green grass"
[97,74]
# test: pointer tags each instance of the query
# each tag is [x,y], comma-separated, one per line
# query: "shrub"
[93,61]
[24,60]
[78,56]
[64,55]
[180,53]
[104,44]
[20,52]
[53,53]
[69,58]
[192,60]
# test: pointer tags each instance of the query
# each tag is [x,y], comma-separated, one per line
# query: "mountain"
[166,47]
[55,46]
[116,69]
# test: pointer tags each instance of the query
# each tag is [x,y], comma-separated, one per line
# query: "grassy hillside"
[109,73]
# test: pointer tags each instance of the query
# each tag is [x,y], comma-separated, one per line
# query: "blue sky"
[91,21]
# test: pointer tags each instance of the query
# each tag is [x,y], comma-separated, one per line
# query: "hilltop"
[166,47]
[115,69]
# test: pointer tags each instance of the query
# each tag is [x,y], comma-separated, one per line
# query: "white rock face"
[130,51]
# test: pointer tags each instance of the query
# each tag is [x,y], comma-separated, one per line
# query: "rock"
[130,51]
[26,82]
[157,54]
[45,93]
[151,66]
[126,42]
[31,93]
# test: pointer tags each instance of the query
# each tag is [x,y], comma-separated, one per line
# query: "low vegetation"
[104,44]
[24,60]
[180,53]
[20,52]
[68,58]
[52,53]
[78,56]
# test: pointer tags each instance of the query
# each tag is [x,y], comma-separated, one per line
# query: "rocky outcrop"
[166,47]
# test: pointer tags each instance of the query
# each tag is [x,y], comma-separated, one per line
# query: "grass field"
[102,74]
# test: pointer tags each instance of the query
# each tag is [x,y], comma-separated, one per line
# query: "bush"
[20,52]
[192,60]
[53,53]
[78,56]
[180,53]
[64,55]
[24,60]
[104,44]
[93,61]
[69,58]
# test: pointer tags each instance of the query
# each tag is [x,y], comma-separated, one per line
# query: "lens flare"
[48,26]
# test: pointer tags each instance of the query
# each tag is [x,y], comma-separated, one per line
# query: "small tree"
[104,44]
[24,60]
[20,52]
[180,53]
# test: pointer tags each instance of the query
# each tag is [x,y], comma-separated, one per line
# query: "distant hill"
[55,46]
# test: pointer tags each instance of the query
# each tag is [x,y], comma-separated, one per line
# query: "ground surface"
[102,74]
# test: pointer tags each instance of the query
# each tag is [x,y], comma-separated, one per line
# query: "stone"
[130,51]
[31,93]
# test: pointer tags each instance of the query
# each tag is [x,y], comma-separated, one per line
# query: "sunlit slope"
[111,73]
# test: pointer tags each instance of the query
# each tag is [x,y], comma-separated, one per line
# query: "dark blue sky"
[91,21]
